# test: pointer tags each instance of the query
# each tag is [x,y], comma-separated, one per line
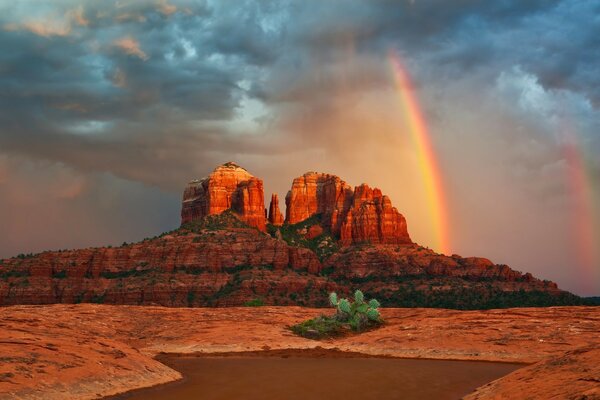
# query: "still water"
[270,378]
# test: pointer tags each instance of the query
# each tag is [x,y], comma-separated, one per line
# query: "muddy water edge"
[289,374]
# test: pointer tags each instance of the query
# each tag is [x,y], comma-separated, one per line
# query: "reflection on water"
[279,378]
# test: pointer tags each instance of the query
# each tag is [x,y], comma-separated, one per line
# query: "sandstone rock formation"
[373,219]
[316,193]
[275,216]
[355,216]
[225,264]
[221,259]
[167,270]
[228,187]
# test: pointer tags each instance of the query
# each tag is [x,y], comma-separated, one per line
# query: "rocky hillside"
[228,251]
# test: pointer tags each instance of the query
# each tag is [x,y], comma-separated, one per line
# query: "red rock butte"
[355,216]
[358,215]
[228,187]
[228,251]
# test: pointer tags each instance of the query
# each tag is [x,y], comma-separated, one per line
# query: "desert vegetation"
[350,316]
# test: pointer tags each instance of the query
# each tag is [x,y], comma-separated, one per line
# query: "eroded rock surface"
[356,215]
[87,351]
[334,237]
[228,187]
[275,215]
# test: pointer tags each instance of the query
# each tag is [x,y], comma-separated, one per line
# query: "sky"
[107,110]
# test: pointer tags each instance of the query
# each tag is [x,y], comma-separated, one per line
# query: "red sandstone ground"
[89,351]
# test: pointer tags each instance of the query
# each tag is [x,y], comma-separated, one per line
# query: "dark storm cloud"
[118,70]
[122,81]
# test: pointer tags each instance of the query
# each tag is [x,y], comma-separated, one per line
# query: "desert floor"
[90,351]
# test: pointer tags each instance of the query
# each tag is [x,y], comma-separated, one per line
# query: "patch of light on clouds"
[89,127]
[248,119]
[217,59]
[531,97]
[273,23]
[244,84]
[188,47]
[249,115]
[551,108]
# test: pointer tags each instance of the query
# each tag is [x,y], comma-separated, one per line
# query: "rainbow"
[583,229]
[427,161]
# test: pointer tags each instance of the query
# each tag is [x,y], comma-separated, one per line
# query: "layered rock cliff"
[334,237]
[316,193]
[228,187]
[356,215]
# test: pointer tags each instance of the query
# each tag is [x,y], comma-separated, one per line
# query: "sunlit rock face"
[373,219]
[275,215]
[228,187]
[318,194]
[332,235]
[354,215]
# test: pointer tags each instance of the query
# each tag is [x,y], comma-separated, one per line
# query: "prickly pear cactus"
[359,297]
[333,300]
[373,314]
[344,306]
[374,303]
[356,314]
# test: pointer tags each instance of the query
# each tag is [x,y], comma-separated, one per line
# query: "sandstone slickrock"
[86,351]
[275,215]
[228,187]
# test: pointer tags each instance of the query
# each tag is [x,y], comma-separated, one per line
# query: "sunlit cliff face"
[109,108]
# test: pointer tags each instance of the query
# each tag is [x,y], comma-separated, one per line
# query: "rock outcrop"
[372,219]
[355,216]
[202,265]
[228,187]
[341,237]
[275,216]
[318,194]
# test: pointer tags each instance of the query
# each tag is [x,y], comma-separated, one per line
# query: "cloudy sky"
[108,108]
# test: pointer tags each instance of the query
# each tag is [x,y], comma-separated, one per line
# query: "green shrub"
[98,298]
[356,316]
[60,274]
[333,299]
[125,274]
[258,302]
[13,273]
[320,327]
[191,296]
[323,245]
